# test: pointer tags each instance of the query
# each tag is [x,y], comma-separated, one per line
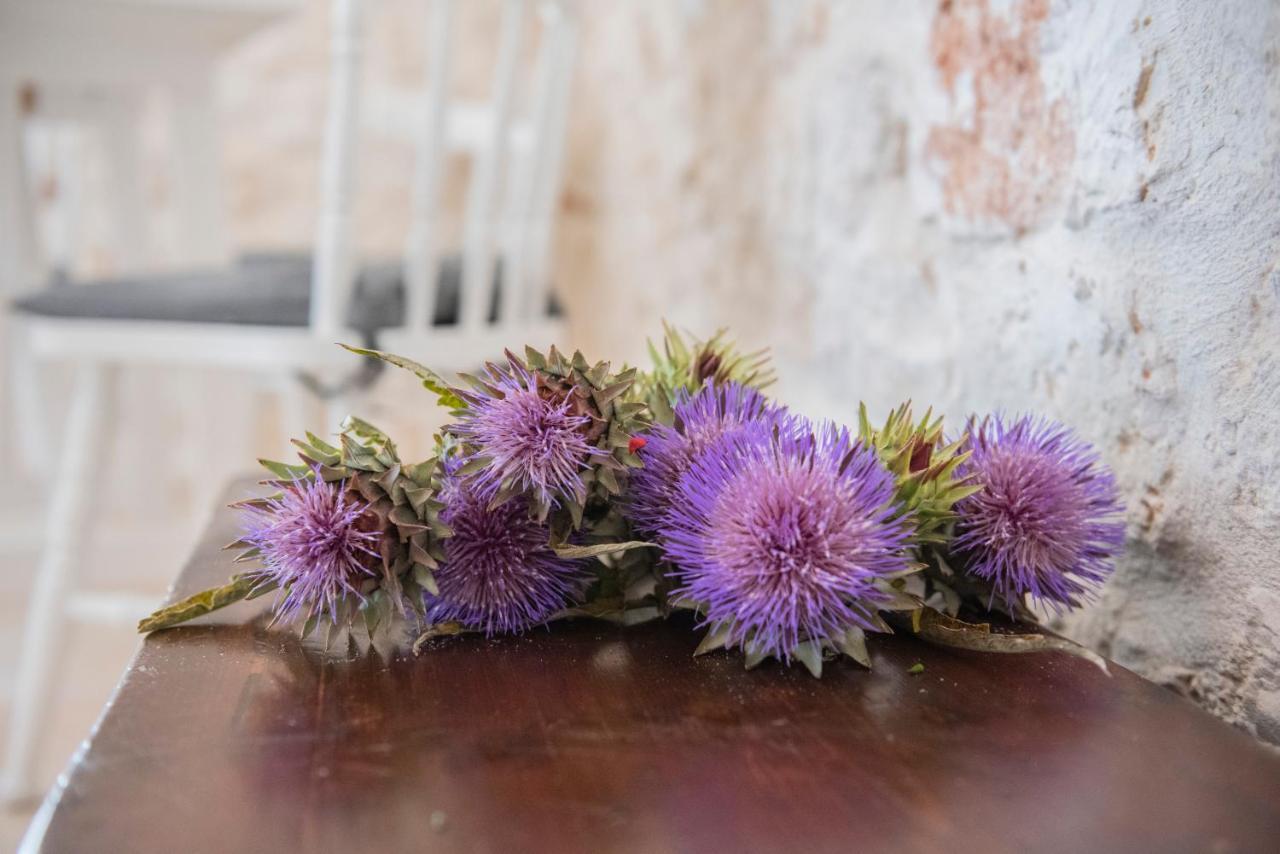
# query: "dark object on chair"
[266,289]
[262,290]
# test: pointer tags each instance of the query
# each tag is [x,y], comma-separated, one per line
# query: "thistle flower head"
[498,574]
[700,420]
[1046,521]
[533,440]
[782,535]
[315,543]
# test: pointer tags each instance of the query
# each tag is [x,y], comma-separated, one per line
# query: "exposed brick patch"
[1009,159]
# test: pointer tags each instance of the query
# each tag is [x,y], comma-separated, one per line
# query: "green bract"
[685,366]
[596,392]
[924,467]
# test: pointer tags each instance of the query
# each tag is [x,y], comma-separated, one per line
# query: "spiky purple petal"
[499,574]
[313,546]
[533,443]
[701,419]
[782,535]
[1046,521]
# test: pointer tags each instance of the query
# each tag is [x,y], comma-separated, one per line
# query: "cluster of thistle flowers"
[320,542]
[789,538]
[502,530]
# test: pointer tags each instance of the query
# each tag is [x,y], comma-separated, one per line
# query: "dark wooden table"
[224,736]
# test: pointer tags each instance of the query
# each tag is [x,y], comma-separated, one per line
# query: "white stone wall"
[1071,207]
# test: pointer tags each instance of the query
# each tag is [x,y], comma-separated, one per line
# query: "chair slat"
[527,168]
[422,245]
[537,255]
[478,242]
[332,273]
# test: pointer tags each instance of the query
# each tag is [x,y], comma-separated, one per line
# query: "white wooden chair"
[449,312]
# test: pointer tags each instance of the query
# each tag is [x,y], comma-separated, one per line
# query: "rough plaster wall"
[1072,207]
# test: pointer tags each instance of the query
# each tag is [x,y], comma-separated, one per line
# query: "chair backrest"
[513,180]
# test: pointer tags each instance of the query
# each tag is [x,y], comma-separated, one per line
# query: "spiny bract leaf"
[685,366]
[924,467]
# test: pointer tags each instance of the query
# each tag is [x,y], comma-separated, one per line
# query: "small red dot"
[636,443]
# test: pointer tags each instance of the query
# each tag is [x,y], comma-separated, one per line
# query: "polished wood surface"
[225,736]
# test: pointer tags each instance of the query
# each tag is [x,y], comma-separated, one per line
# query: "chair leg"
[29,438]
[64,533]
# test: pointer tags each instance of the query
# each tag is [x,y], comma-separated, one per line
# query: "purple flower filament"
[701,419]
[782,535]
[1046,522]
[532,442]
[499,575]
[313,546]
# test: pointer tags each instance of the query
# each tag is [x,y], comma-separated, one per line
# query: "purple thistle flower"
[783,535]
[533,441]
[1046,520]
[499,573]
[701,419]
[313,546]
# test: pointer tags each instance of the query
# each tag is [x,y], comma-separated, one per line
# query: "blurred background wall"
[1067,206]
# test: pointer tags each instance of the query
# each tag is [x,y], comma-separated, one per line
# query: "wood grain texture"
[225,736]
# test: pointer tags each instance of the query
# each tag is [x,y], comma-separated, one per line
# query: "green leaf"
[536,360]
[853,643]
[372,611]
[422,575]
[661,405]
[714,639]
[313,455]
[809,654]
[573,552]
[284,471]
[575,513]
[636,616]
[321,445]
[198,605]
[432,381]
[472,466]
[261,590]
[364,431]
[607,395]
[609,480]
